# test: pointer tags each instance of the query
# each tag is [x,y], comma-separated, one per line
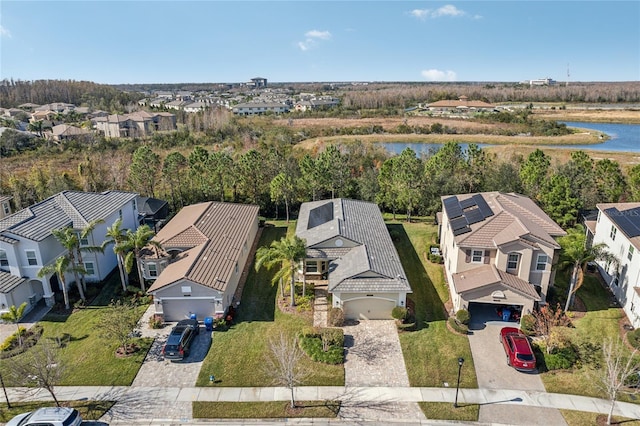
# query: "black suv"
[180,339]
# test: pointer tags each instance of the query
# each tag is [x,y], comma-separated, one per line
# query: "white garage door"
[369,308]
[176,310]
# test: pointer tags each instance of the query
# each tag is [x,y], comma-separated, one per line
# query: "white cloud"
[438,75]
[312,39]
[4,32]
[447,10]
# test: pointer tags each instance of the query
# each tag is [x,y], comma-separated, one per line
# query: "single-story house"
[348,245]
[205,248]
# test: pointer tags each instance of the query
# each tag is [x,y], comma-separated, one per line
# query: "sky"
[115,42]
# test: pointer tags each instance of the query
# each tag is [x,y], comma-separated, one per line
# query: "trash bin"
[193,316]
[208,323]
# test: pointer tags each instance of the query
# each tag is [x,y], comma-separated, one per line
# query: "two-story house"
[618,226]
[498,249]
[205,248]
[27,244]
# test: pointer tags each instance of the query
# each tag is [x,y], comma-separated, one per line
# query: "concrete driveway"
[493,372]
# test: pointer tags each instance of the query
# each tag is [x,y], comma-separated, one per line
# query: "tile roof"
[213,235]
[374,258]
[514,217]
[487,275]
[8,282]
[67,208]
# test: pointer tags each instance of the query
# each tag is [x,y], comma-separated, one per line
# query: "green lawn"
[446,411]
[90,359]
[272,409]
[581,418]
[599,323]
[431,353]
[89,410]
[237,355]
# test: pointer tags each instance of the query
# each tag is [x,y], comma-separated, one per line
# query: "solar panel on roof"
[483,206]
[627,221]
[458,223]
[319,215]
[462,231]
[466,203]
[474,216]
[452,207]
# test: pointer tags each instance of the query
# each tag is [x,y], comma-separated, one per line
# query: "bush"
[434,258]
[13,340]
[304,303]
[527,324]
[323,345]
[335,317]
[562,359]
[156,322]
[634,338]
[30,338]
[463,316]
[458,326]
[399,312]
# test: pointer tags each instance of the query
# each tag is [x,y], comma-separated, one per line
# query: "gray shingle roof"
[67,208]
[8,282]
[373,265]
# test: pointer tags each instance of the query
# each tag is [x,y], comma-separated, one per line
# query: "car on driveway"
[518,350]
[52,416]
[180,339]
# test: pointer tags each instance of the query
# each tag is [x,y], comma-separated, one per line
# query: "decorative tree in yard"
[118,323]
[83,235]
[618,368]
[118,237]
[61,266]
[287,252]
[68,238]
[136,241]
[575,255]
[14,314]
[284,365]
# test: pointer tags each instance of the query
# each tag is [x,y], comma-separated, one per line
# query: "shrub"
[562,358]
[458,326]
[463,316]
[13,340]
[156,322]
[30,338]
[399,312]
[335,317]
[527,324]
[323,345]
[634,338]
[304,303]
[434,258]
[407,326]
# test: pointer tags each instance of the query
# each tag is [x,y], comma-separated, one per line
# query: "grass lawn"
[237,355]
[90,359]
[431,353]
[446,411]
[272,409]
[600,322]
[581,418]
[89,410]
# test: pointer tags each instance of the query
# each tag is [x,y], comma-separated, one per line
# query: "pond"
[622,137]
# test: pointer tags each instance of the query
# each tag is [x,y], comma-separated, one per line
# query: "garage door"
[176,310]
[369,308]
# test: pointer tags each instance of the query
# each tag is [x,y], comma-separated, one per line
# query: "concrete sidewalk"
[376,396]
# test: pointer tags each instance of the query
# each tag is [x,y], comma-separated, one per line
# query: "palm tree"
[575,255]
[83,235]
[287,252]
[136,241]
[68,238]
[14,314]
[60,267]
[118,237]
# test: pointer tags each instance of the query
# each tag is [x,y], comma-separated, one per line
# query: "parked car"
[180,339]
[50,416]
[518,350]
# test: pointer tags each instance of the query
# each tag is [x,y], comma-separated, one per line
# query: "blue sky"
[299,41]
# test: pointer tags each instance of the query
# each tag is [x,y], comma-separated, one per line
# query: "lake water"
[622,137]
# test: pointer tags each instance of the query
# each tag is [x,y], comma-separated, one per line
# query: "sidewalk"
[376,396]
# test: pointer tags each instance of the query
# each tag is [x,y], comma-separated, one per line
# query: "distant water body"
[622,137]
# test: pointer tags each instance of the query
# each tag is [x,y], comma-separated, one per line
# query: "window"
[152,268]
[90,268]
[616,279]
[312,266]
[3,258]
[630,254]
[83,241]
[236,267]
[31,257]
[5,207]
[476,256]
[541,263]
[512,262]
[614,230]
[120,213]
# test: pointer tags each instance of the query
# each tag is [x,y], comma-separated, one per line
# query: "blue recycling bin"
[193,317]
[208,323]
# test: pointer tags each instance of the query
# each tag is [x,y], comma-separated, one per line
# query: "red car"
[516,345]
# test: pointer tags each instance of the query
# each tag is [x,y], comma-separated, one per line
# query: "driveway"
[493,372]
[373,357]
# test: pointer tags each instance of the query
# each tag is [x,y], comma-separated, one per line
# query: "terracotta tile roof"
[213,235]
[487,275]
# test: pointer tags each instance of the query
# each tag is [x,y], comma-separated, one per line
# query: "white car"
[54,416]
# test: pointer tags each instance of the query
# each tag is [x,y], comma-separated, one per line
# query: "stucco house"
[461,104]
[498,250]
[63,132]
[205,248]
[618,226]
[136,124]
[26,242]
[348,244]
[258,108]
[5,206]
